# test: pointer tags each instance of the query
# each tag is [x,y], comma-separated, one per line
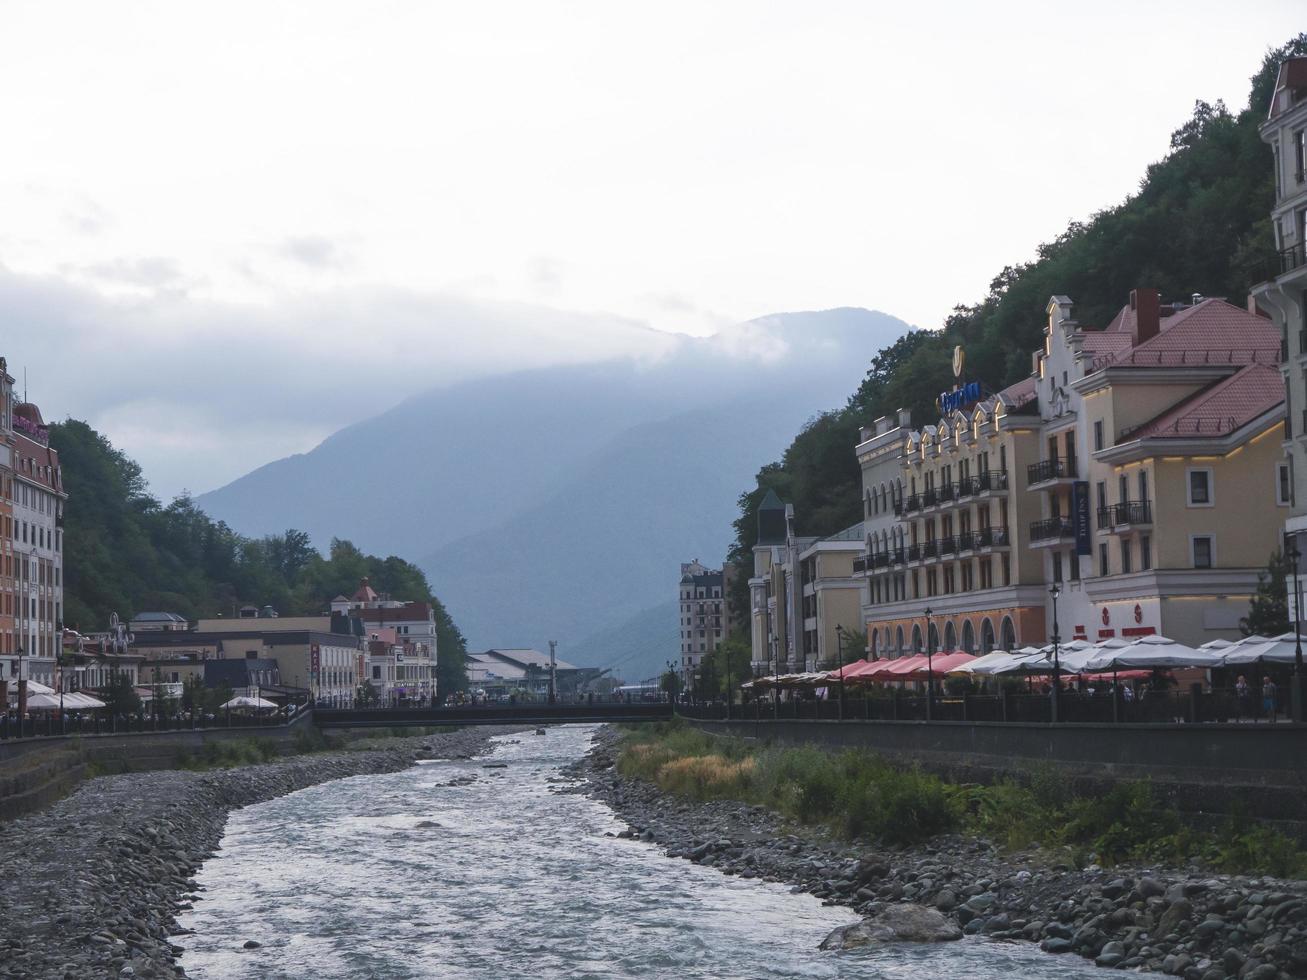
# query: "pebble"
[1183,923]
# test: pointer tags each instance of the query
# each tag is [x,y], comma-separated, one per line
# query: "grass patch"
[860,795]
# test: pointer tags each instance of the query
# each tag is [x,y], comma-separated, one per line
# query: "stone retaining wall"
[35,772]
[1200,769]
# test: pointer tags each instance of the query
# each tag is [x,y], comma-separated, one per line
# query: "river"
[339,880]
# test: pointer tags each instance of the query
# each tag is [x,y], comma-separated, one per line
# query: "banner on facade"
[1080,515]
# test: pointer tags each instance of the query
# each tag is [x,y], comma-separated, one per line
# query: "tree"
[1268,613]
[670,684]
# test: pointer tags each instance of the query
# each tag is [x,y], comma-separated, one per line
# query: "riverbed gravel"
[1182,923]
[90,886]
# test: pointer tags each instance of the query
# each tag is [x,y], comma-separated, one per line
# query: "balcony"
[880,559]
[948,545]
[1050,532]
[1289,259]
[929,498]
[930,550]
[913,503]
[897,557]
[994,481]
[914,552]
[946,494]
[993,537]
[1049,473]
[966,541]
[860,564]
[1119,518]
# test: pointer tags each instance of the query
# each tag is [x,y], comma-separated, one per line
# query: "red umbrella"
[850,671]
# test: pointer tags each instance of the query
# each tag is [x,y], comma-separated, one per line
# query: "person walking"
[1241,695]
[1268,697]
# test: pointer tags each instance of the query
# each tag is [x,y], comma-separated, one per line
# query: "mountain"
[557,503]
[637,649]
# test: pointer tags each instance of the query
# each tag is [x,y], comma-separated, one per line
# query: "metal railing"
[993,537]
[912,503]
[1292,258]
[1050,469]
[966,541]
[1052,528]
[101,722]
[1219,706]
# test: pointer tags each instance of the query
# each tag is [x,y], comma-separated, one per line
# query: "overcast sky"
[227,229]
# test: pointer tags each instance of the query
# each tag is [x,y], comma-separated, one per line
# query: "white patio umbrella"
[1279,650]
[986,664]
[42,701]
[33,687]
[248,702]
[1152,652]
[81,702]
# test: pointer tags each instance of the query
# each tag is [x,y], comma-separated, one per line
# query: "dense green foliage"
[124,552]
[859,794]
[1199,223]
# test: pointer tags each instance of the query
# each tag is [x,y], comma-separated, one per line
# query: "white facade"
[37,541]
[703,617]
[1285,295]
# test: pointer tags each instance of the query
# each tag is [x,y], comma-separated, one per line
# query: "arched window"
[933,642]
[986,636]
[1009,634]
[898,641]
[916,639]
[950,637]
[968,637]
[875,644]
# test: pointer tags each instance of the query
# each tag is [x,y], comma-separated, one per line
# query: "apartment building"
[37,535]
[1101,474]
[704,619]
[804,595]
[1284,294]
[413,663]
[8,561]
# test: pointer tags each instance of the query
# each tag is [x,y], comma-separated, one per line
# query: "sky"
[229,229]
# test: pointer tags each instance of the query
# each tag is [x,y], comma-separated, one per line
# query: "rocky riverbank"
[90,886]
[1194,925]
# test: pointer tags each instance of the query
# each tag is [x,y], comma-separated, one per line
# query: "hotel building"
[703,616]
[1100,473]
[1284,295]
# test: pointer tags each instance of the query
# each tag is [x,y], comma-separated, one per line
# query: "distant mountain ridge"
[556,503]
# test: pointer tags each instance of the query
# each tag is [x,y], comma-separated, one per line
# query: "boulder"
[902,923]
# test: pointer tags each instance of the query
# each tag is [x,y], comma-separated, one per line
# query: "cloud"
[152,272]
[85,217]
[314,251]
[201,391]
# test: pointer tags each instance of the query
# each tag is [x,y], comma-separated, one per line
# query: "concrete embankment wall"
[1211,770]
[36,772]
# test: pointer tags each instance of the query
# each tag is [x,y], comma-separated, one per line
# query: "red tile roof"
[1016,395]
[406,613]
[1220,408]
[1213,332]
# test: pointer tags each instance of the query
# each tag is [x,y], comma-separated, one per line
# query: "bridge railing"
[1152,707]
[535,712]
[102,722]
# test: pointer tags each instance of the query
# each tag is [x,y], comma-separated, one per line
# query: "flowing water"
[341,881]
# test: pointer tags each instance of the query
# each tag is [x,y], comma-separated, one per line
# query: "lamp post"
[930,668]
[839,645]
[776,680]
[726,655]
[1055,591]
[21,701]
[59,661]
[1295,701]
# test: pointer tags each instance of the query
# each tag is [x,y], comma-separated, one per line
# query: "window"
[1102,559]
[1202,546]
[1098,435]
[1073,564]
[1126,564]
[1103,519]
[1057,566]
[1143,486]
[1283,485]
[1200,487]
[1145,552]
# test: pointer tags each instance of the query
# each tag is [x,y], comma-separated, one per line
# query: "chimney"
[1147,305]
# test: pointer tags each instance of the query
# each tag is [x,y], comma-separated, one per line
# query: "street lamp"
[1296,700]
[839,645]
[776,679]
[930,667]
[726,655]
[1055,591]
